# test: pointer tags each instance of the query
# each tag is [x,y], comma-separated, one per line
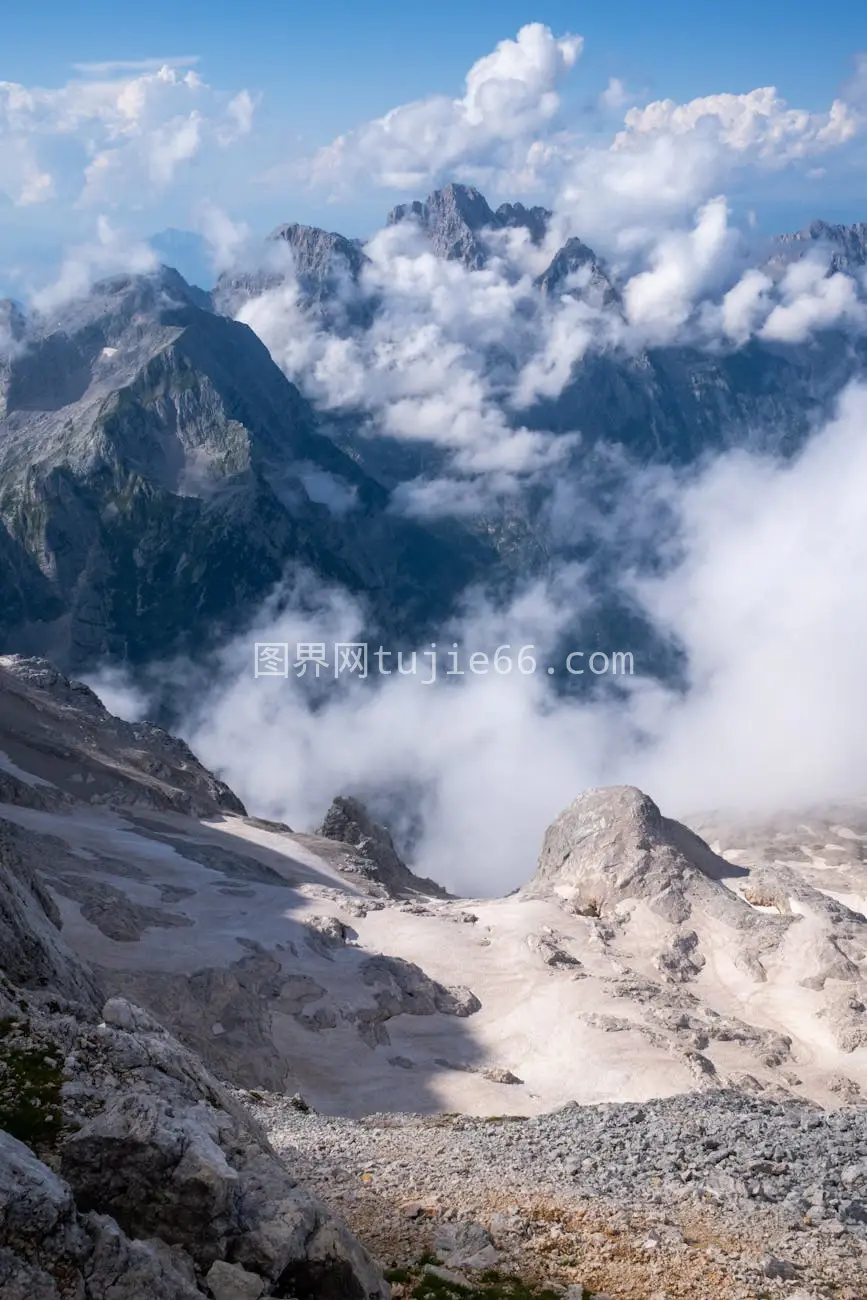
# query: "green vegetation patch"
[31,1076]
[490,1285]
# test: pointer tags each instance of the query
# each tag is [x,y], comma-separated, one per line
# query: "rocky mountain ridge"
[159,476]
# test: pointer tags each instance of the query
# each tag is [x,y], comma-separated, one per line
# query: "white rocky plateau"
[238,1061]
[638,961]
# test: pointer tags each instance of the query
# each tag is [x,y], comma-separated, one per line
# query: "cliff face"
[158,474]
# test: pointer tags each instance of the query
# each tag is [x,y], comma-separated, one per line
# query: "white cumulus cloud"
[510,98]
[116,135]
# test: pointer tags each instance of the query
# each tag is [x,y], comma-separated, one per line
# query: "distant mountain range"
[158,471]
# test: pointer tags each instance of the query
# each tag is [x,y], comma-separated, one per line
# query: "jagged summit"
[325,264]
[455,217]
[576,269]
[452,217]
[318,254]
[846,244]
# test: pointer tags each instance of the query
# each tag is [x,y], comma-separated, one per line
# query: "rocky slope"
[126,1169]
[713,1195]
[319,963]
[684,1030]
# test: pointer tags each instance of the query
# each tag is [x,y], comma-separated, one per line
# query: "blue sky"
[318,70]
[339,60]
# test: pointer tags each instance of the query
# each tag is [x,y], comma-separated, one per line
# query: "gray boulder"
[49,1250]
[613,843]
[171,1155]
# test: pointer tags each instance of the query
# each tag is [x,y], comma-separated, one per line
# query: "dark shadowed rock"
[79,749]
[32,951]
[517,216]
[349,822]
[49,1250]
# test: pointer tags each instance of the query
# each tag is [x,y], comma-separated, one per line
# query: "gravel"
[717,1194]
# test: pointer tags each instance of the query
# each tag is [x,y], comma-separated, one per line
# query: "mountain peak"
[577,265]
[452,218]
[846,244]
[322,259]
[117,299]
[455,216]
[318,253]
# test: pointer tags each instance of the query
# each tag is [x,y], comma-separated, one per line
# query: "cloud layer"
[119,130]
[765,598]
[510,99]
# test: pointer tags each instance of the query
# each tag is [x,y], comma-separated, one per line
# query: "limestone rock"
[403,987]
[612,844]
[49,1250]
[172,1155]
[466,1246]
[349,822]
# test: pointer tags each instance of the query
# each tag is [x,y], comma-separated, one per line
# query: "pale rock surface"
[141,1171]
[636,944]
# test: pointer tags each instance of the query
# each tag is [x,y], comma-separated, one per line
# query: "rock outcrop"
[456,218]
[75,749]
[613,843]
[157,1172]
[375,856]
